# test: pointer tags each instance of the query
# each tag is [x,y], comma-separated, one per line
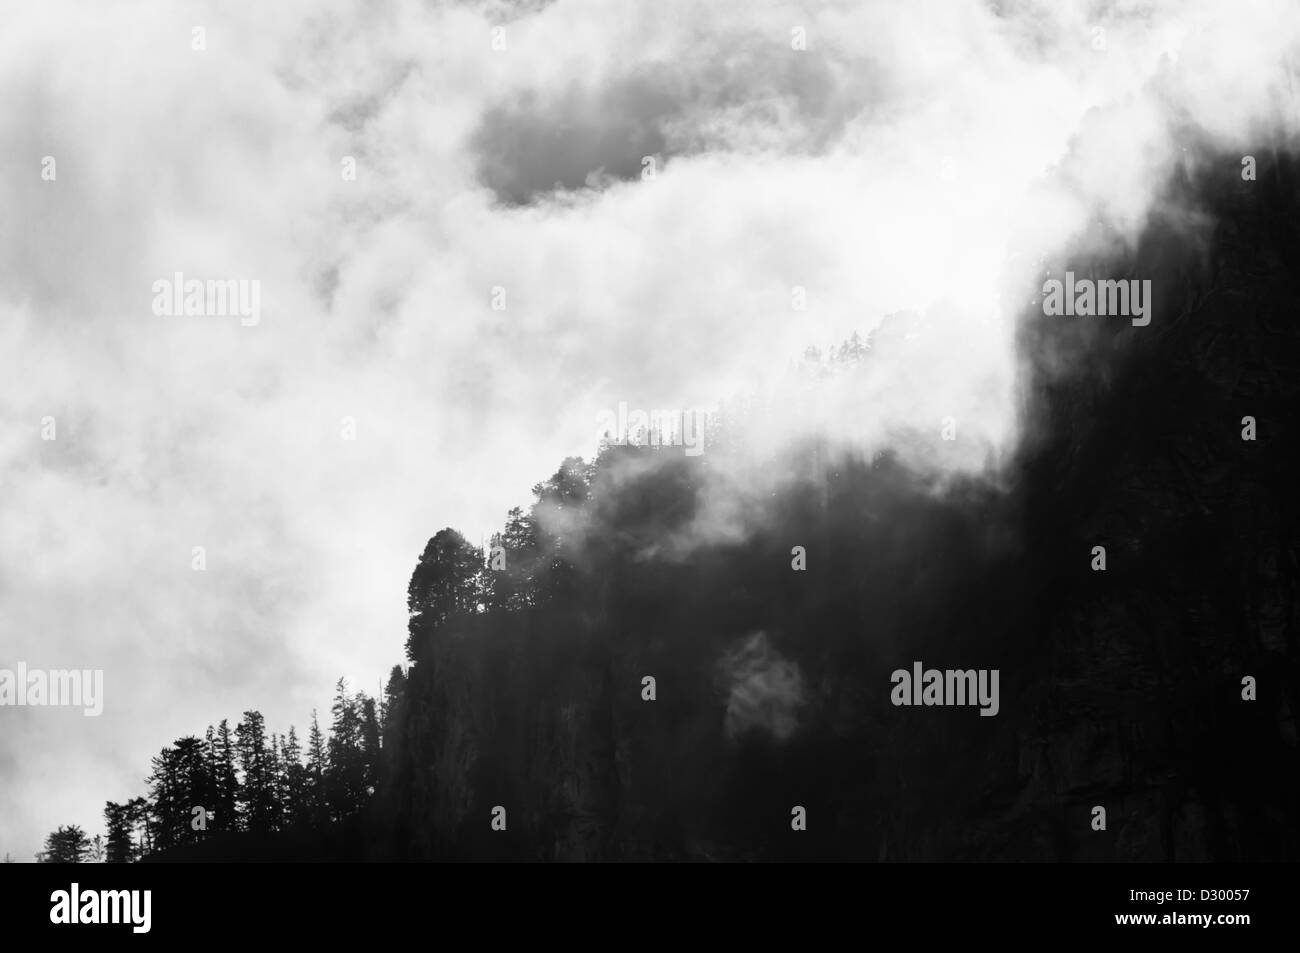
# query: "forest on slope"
[526,687]
[1121,689]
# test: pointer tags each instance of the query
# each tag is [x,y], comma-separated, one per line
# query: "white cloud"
[821,168]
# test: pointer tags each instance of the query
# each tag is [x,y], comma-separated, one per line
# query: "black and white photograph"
[650,434]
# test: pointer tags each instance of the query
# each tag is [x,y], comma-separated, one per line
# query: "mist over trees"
[663,654]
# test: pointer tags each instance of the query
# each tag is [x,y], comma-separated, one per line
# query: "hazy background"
[919,156]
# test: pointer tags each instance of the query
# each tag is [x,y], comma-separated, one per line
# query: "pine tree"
[512,587]
[569,488]
[447,580]
[225,780]
[345,766]
[210,750]
[370,742]
[118,849]
[394,702]
[317,802]
[295,780]
[179,783]
[393,735]
[257,793]
[67,845]
[275,771]
[140,817]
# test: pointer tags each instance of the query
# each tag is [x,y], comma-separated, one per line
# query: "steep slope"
[1120,689]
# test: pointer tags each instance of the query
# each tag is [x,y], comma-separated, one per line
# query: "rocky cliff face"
[1139,693]
[1120,689]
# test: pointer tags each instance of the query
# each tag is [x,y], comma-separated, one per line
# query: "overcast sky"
[919,156]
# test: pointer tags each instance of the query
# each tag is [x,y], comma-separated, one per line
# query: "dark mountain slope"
[1119,688]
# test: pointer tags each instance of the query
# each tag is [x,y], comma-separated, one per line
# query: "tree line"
[241,780]
[244,780]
